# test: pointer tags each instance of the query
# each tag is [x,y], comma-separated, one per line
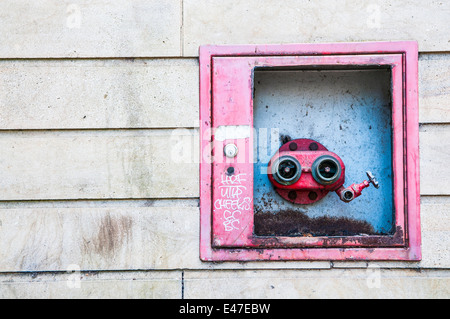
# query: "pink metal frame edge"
[412,250]
[243,237]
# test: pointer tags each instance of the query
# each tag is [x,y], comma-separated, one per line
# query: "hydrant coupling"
[350,193]
[303,171]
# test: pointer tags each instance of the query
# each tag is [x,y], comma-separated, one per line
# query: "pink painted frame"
[404,57]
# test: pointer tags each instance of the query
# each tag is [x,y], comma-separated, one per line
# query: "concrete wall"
[91,95]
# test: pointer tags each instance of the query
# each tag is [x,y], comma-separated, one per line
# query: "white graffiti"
[233,179]
[235,204]
[230,200]
[230,220]
[231,186]
[231,191]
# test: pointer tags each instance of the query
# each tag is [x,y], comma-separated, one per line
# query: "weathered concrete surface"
[435,221]
[101,28]
[302,21]
[98,239]
[337,283]
[89,285]
[434,159]
[108,28]
[98,94]
[99,164]
[434,88]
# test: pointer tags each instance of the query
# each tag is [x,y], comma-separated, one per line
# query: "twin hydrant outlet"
[303,171]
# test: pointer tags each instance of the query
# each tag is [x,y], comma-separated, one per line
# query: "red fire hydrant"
[303,171]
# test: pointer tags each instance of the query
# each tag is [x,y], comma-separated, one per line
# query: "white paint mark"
[231,202]
[232,132]
[230,220]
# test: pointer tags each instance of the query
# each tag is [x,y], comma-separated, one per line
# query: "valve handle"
[372,180]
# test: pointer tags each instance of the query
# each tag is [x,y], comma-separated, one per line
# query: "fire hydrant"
[303,171]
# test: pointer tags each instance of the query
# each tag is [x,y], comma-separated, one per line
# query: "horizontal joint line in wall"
[105,203]
[94,129]
[435,127]
[99,131]
[435,195]
[96,58]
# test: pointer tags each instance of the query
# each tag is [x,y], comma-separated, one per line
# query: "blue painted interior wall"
[349,112]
